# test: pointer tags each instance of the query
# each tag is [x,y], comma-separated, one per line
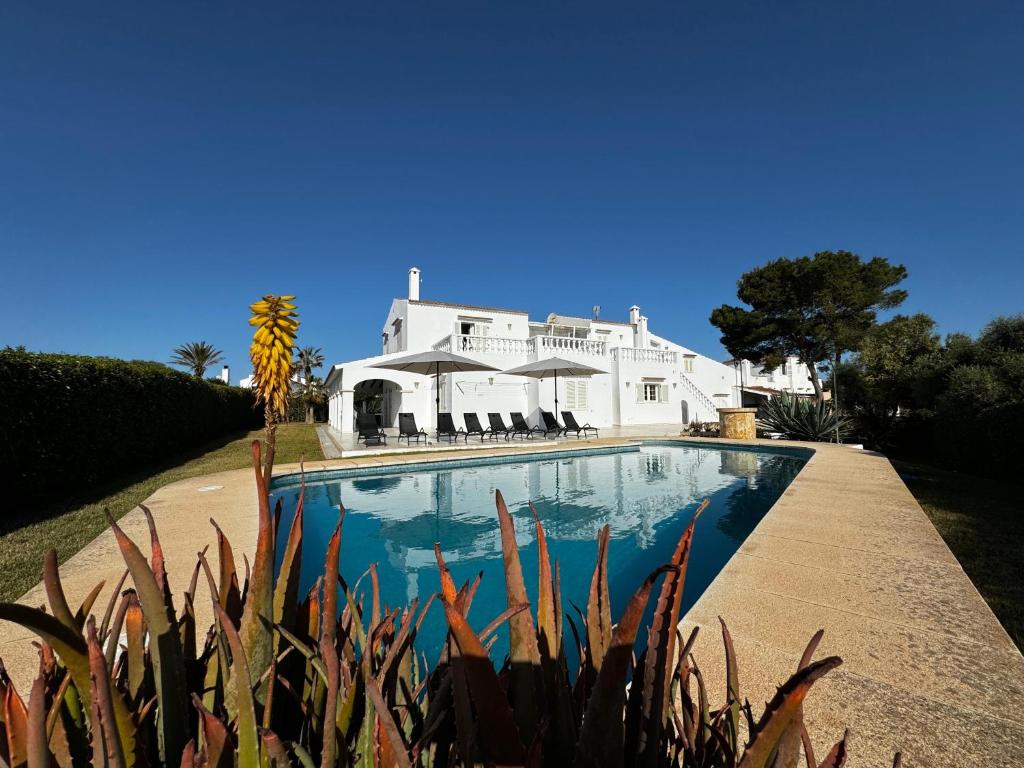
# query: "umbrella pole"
[437,402]
[556,395]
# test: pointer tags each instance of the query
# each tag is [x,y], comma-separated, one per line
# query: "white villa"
[649,379]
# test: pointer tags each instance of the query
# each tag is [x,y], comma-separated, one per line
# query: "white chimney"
[225,375]
[414,284]
[634,315]
[642,340]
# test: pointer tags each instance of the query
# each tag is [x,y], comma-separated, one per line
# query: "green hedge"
[68,422]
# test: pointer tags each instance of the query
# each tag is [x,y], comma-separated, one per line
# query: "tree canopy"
[813,307]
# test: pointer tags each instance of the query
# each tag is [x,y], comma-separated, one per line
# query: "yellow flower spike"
[273,341]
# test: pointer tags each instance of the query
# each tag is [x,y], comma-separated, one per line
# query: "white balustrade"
[547,346]
[656,356]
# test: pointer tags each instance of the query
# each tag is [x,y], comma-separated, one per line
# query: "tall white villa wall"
[632,355]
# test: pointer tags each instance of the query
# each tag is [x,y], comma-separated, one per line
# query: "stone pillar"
[737,423]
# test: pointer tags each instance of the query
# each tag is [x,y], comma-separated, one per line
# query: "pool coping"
[927,667]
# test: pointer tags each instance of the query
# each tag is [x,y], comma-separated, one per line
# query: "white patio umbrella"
[436,363]
[553,366]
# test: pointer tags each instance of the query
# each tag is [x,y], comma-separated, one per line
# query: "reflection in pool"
[646,496]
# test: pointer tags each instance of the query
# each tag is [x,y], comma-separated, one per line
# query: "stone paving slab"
[927,668]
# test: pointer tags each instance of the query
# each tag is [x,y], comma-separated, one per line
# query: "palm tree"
[198,356]
[308,359]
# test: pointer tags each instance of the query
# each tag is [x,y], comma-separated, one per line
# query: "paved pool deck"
[927,667]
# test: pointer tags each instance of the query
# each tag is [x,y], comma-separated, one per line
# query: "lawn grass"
[69,525]
[982,522]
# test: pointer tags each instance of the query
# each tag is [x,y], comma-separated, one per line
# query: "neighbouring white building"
[649,379]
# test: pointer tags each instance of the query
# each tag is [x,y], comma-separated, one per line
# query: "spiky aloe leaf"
[228,592]
[399,751]
[240,690]
[599,610]
[660,648]
[836,758]
[328,625]
[68,644]
[37,748]
[286,590]
[781,712]
[498,735]
[216,744]
[55,592]
[103,701]
[255,629]
[135,636]
[15,723]
[732,690]
[601,740]
[164,649]
[157,560]
[524,655]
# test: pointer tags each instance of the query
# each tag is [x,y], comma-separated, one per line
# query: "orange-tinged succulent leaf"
[157,560]
[498,735]
[661,647]
[328,626]
[255,629]
[836,758]
[599,612]
[398,752]
[135,637]
[524,655]
[732,690]
[601,739]
[781,711]
[164,649]
[448,590]
[286,590]
[103,700]
[216,743]
[87,603]
[15,724]
[37,749]
[546,628]
[112,603]
[55,592]
[228,591]
[239,686]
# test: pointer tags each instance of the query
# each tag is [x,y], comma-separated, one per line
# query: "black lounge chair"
[407,429]
[498,425]
[551,424]
[520,427]
[446,428]
[473,427]
[571,426]
[369,432]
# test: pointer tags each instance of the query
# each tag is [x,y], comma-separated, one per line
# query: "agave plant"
[803,418]
[332,677]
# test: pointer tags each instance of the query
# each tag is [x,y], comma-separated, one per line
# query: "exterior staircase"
[702,407]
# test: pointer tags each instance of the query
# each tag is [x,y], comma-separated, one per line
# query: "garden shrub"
[71,421]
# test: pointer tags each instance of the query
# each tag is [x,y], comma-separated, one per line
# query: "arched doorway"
[381,397]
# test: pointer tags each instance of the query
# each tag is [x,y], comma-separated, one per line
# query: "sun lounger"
[446,428]
[572,426]
[369,432]
[407,429]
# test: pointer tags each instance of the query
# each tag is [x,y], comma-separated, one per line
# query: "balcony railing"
[656,356]
[462,344]
[548,346]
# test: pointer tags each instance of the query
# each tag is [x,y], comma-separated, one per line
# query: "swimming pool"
[646,494]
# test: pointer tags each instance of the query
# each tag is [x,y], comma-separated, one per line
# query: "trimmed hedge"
[68,422]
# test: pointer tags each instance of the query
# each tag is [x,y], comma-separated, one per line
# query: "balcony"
[647,356]
[534,348]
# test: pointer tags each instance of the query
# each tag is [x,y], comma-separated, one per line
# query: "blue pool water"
[647,496]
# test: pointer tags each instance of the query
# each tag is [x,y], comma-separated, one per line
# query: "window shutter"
[639,392]
[570,395]
[663,393]
[581,395]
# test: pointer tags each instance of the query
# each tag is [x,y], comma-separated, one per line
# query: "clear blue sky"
[164,164]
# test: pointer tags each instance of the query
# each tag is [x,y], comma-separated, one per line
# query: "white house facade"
[649,379]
